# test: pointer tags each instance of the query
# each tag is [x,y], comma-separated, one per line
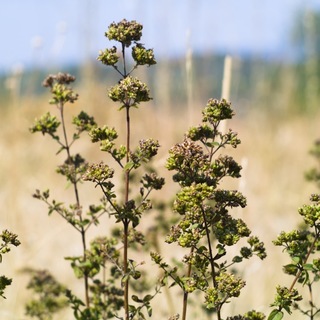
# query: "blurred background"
[262,56]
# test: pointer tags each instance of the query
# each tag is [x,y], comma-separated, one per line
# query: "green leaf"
[77,271]
[124,279]
[296,259]
[287,308]
[308,266]
[136,298]
[307,277]
[290,269]
[194,226]
[237,259]
[4,282]
[149,308]
[275,315]
[129,166]
[147,298]
[212,144]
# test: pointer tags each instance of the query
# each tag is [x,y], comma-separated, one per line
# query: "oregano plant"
[48,293]
[207,229]
[8,239]
[104,298]
[86,266]
[129,207]
[303,247]
[114,285]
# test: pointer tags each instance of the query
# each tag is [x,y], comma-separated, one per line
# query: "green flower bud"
[109,57]
[143,56]
[46,124]
[125,32]
[61,93]
[130,92]
[216,110]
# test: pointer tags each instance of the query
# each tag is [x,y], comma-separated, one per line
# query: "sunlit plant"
[205,228]
[8,239]
[303,247]
[105,296]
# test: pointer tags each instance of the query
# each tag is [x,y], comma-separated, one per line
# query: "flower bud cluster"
[125,32]
[47,124]
[130,92]
[58,85]
[204,209]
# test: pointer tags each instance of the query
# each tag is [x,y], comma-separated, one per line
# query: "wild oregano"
[303,247]
[49,297]
[114,285]
[206,227]
[8,239]
[100,302]
[130,92]
[314,173]
[85,266]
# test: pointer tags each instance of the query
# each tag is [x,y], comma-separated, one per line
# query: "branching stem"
[213,272]
[76,192]
[127,182]
[305,261]
[185,294]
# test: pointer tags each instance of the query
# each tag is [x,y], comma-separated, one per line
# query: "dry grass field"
[274,155]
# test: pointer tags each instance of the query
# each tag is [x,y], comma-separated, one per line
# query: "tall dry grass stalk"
[226,80]
[311,65]
[226,85]
[13,84]
[190,100]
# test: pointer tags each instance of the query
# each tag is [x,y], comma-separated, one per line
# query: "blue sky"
[54,32]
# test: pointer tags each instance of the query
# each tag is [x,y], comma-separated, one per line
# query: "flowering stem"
[185,294]
[124,61]
[213,272]
[210,248]
[305,261]
[75,186]
[125,221]
[125,269]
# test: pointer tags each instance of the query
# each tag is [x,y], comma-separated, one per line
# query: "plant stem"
[76,192]
[86,283]
[305,261]
[67,147]
[210,248]
[124,61]
[311,301]
[185,294]
[213,272]
[125,269]
[125,221]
